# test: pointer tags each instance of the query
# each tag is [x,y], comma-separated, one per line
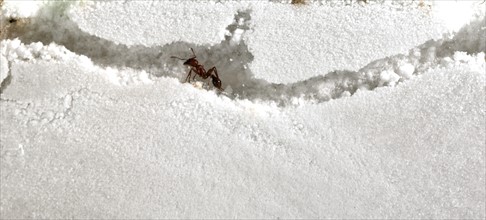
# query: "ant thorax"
[201,71]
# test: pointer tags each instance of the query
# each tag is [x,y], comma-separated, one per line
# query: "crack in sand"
[6,82]
[232,56]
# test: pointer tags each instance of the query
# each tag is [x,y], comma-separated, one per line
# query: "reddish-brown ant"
[200,71]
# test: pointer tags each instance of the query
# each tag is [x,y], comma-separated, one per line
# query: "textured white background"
[77,143]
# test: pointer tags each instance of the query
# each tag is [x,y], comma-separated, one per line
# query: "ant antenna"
[185,59]
[177,58]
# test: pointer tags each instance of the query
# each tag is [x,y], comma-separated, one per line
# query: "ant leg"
[209,73]
[188,77]
[215,79]
[194,77]
[215,72]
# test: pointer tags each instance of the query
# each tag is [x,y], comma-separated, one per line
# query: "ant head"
[216,82]
[191,62]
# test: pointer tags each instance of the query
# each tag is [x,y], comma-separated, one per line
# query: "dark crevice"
[6,82]
[232,56]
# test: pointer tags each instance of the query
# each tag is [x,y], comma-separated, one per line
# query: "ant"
[199,70]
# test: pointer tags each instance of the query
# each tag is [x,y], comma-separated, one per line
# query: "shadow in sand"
[232,57]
